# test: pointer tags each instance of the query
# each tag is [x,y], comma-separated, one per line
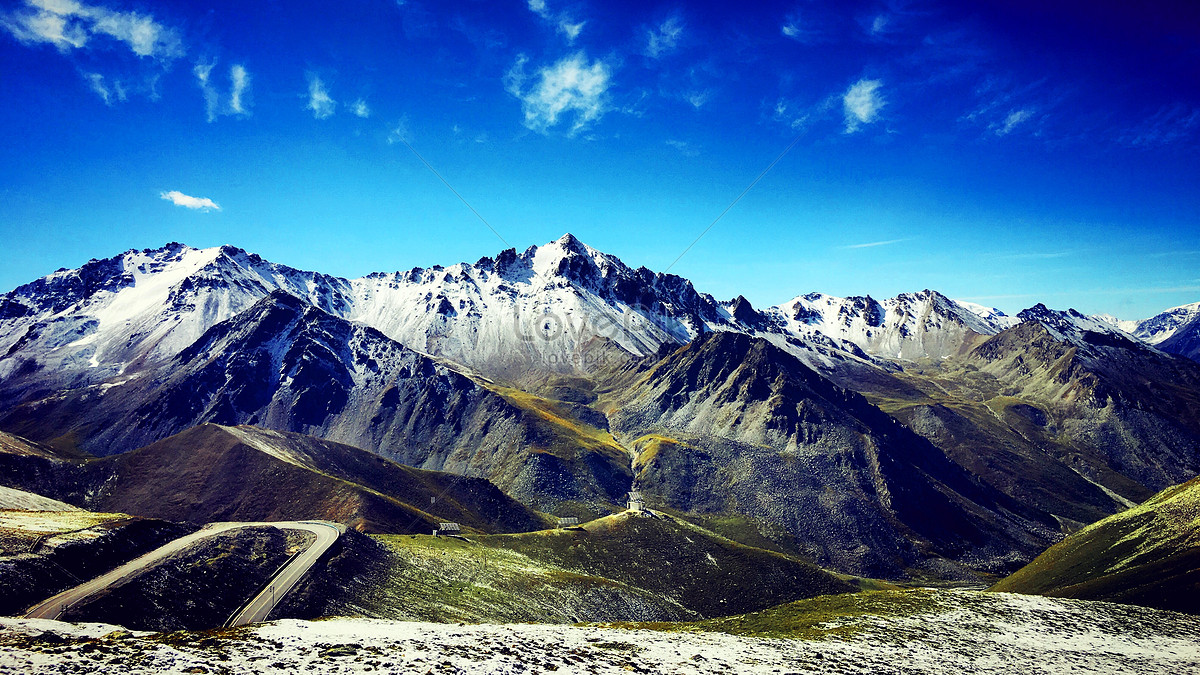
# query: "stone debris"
[969,633]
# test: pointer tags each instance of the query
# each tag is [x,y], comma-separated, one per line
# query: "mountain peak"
[1078,329]
[571,243]
[568,257]
[741,309]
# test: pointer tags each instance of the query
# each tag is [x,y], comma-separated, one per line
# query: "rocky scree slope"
[286,365]
[730,423]
[1127,414]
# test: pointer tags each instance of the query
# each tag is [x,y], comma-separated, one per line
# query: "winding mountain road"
[260,607]
[256,610]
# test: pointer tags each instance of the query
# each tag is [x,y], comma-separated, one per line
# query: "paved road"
[327,533]
[261,606]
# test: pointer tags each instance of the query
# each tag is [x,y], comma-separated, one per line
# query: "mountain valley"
[820,446]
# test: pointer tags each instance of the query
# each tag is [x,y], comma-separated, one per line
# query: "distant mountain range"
[915,435]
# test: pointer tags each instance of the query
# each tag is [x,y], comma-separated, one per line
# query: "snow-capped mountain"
[1125,325]
[1157,328]
[1076,328]
[909,326]
[286,365]
[556,306]
[1176,331]
[559,307]
[990,315]
[80,327]
[127,351]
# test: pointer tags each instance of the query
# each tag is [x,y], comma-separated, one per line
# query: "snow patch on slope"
[559,307]
[11,498]
[908,326]
[957,631]
[1165,325]
[275,444]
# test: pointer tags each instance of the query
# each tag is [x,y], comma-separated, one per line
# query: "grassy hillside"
[827,616]
[11,444]
[569,439]
[702,571]
[734,426]
[1148,555]
[617,568]
[211,472]
[198,588]
[1004,440]
[448,579]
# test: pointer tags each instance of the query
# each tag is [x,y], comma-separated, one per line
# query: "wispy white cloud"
[794,115]
[795,29]
[464,135]
[319,102]
[1037,255]
[861,104]
[514,79]
[1006,296]
[562,21]
[109,92]
[685,148]
[189,202]
[399,132]
[360,109]
[1170,124]
[68,25]
[1147,290]
[873,244]
[698,98]
[879,24]
[203,71]
[664,38]
[570,29]
[572,87]
[1030,108]
[96,82]
[1174,254]
[811,27]
[1012,121]
[239,90]
[239,86]
[1163,289]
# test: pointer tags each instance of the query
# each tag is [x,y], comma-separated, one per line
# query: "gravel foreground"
[968,632]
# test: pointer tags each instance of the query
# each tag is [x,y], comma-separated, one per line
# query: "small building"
[567,522]
[636,503]
[444,528]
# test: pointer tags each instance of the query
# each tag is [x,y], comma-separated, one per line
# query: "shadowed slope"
[284,364]
[1148,555]
[214,473]
[751,430]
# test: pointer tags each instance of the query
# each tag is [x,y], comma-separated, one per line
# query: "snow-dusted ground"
[11,498]
[968,632]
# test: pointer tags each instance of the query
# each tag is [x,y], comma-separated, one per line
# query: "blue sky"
[1001,152]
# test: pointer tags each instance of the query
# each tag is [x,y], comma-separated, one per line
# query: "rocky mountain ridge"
[566,378]
[558,307]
